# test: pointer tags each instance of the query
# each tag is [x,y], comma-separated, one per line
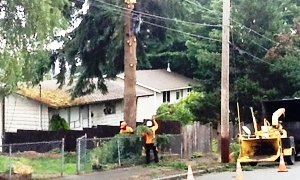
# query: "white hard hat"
[149,123]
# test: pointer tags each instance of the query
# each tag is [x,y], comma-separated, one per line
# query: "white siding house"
[166,86]
[24,113]
[32,108]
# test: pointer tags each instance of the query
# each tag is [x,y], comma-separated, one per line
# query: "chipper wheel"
[290,160]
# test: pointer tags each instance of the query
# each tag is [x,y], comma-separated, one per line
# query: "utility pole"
[225,83]
[130,62]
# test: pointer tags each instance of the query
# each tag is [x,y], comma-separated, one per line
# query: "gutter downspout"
[154,110]
[41,108]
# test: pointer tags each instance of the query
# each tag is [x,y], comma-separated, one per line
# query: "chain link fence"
[32,160]
[91,153]
[121,150]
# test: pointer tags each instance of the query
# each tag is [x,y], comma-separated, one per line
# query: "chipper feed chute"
[254,150]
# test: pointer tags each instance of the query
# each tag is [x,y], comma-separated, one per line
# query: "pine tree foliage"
[262,64]
[95,47]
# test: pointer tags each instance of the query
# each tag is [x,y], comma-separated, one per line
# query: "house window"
[181,92]
[189,89]
[110,108]
[177,94]
[166,96]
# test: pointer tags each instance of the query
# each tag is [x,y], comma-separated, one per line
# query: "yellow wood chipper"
[266,144]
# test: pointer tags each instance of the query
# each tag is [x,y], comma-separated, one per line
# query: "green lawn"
[41,165]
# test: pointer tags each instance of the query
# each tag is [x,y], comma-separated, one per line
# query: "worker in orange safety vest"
[125,129]
[150,139]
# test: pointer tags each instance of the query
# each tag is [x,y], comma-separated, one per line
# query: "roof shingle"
[161,79]
[55,97]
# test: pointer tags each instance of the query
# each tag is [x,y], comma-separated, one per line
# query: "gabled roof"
[161,80]
[55,97]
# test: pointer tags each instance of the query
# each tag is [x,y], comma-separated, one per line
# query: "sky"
[83,10]
[76,21]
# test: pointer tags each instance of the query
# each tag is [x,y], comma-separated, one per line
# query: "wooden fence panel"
[197,138]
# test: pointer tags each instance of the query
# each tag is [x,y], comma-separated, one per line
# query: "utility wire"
[241,52]
[118,9]
[259,45]
[199,5]
[189,34]
[241,25]
[161,26]
[160,17]
[203,37]
[251,30]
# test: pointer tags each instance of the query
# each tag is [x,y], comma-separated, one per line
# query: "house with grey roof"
[167,87]
[32,108]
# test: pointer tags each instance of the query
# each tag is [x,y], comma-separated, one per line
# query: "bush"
[181,110]
[58,123]
[129,147]
[235,149]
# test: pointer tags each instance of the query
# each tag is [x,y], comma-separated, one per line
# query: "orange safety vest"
[127,130]
[150,138]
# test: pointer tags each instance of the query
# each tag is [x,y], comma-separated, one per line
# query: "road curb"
[183,175]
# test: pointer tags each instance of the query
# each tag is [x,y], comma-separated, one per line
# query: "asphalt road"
[258,174]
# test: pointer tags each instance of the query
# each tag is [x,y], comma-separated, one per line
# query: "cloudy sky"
[76,22]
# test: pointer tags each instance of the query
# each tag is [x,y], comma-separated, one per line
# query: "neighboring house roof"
[55,97]
[161,80]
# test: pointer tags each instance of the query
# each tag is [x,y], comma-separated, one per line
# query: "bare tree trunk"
[130,62]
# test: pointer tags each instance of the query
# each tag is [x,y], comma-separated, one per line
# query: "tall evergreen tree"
[95,47]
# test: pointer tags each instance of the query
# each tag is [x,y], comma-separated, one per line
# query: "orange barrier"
[190,175]
[239,171]
[282,167]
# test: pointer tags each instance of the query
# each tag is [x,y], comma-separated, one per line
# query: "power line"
[255,32]
[118,9]
[164,27]
[259,45]
[241,52]
[199,5]
[251,30]
[160,17]
[192,23]
[175,30]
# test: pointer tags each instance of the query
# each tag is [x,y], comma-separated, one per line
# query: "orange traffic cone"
[239,171]
[190,175]
[282,167]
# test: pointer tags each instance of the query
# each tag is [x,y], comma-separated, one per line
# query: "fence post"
[62,157]
[10,156]
[119,153]
[181,148]
[85,147]
[78,156]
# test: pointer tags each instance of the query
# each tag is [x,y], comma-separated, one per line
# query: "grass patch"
[41,165]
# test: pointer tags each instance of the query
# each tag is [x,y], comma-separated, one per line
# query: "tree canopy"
[189,38]
[264,42]
[26,28]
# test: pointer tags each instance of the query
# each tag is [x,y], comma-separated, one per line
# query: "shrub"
[235,149]
[129,147]
[181,110]
[58,123]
